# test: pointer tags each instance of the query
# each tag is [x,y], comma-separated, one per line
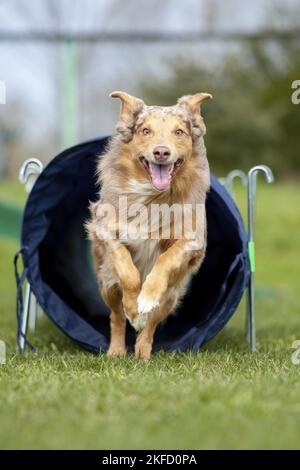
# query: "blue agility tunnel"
[59,267]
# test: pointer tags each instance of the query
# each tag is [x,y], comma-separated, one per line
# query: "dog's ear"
[130,108]
[130,105]
[193,102]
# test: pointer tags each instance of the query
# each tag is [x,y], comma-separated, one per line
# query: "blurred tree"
[279,69]
[252,119]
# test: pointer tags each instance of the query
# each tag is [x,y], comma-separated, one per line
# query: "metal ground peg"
[232,175]
[252,179]
[29,172]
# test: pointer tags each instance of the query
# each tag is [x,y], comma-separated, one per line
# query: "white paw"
[139,322]
[145,305]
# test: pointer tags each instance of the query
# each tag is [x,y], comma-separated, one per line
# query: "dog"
[157,156]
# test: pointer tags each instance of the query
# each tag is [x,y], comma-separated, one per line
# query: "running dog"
[156,157]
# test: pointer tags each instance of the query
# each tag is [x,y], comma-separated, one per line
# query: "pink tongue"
[160,175]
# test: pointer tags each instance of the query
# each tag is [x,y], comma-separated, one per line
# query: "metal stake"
[252,177]
[33,312]
[29,172]
[24,321]
[230,178]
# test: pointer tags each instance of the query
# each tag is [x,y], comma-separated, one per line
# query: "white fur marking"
[139,322]
[144,188]
[146,305]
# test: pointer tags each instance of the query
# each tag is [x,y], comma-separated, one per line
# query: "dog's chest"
[144,254]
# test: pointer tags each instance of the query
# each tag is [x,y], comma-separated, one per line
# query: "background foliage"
[252,118]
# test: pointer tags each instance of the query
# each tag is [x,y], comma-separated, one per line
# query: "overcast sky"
[32,71]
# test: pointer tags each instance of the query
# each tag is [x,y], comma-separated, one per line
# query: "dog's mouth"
[161,174]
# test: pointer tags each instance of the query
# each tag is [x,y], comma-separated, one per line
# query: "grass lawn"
[222,397]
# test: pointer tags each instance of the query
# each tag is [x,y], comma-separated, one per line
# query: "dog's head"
[160,140]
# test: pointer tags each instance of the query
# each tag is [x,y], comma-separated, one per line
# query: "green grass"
[12,191]
[221,397]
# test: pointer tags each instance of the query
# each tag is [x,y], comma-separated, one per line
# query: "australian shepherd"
[156,158]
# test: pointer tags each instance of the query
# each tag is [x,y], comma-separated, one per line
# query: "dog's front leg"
[169,269]
[128,274]
[144,340]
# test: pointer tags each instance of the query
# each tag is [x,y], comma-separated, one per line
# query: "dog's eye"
[179,132]
[146,131]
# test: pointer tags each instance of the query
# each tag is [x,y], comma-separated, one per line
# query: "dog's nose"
[161,153]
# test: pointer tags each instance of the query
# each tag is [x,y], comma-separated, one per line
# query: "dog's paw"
[129,302]
[146,305]
[143,350]
[116,351]
[139,322]
[135,321]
